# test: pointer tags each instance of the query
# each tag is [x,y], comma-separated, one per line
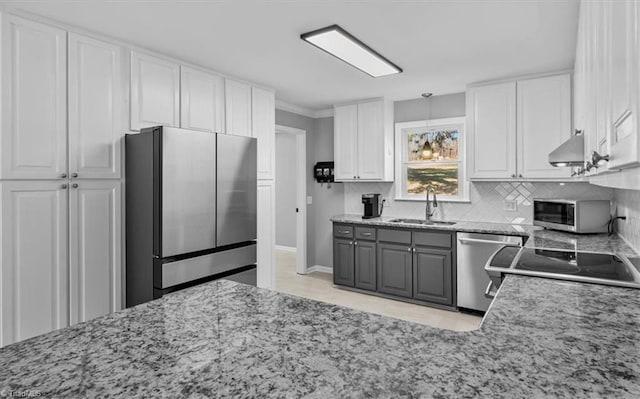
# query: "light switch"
[309,200]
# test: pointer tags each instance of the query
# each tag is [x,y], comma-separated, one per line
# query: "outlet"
[387,203]
[510,205]
[309,200]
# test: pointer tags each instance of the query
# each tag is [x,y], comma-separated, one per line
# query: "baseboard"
[285,248]
[320,269]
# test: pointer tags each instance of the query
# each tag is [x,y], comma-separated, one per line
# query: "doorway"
[291,199]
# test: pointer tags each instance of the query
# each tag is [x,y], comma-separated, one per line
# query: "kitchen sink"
[423,222]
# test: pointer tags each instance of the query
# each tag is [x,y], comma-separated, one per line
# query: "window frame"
[401,150]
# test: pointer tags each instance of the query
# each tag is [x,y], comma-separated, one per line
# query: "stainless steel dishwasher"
[474,250]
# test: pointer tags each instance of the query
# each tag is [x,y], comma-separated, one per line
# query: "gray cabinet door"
[343,262]
[394,269]
[432,276]
[365,265]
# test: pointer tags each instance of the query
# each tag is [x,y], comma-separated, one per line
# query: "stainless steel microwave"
[577,216]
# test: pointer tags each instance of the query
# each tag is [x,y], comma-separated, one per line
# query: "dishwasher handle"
[492,242]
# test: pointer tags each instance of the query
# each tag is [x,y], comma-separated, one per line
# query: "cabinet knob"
[74,175]
[354,177]
[355,243]
[513,175]
[350,242]
[414,250]
[74,185]
[520,176]
[63,175]
[409,249]
[64,186]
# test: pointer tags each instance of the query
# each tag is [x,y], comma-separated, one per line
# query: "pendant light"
[427,151]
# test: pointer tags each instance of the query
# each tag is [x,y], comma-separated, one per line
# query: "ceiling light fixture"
[341,44]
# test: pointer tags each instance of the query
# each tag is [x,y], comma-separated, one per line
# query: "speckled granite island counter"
[223,339]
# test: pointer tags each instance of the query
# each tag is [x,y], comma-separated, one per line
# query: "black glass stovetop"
[571,263]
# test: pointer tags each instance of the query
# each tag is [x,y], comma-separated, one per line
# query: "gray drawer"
[365,233]
[397,236]
[432,239]
[342,230]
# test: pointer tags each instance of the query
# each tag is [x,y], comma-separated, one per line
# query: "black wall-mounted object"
[323,172]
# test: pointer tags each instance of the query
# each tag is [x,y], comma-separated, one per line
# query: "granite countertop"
[541,338]
[538,237]
[461,225]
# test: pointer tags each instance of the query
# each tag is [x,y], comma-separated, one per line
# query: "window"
[431,154]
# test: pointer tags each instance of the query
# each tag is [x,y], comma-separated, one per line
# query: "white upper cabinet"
[155,92]
[371,146]
[263,126]
[237,97]
[95,254]
[34,271]
[96,101]
[514,125]
[363,141]
[202,100]
[491,127]
[33,141]
[623,32]
[345,142]
[543,123]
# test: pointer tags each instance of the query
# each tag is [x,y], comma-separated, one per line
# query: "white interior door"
[95,108]
[33,140]
[202,100]
[544,122]
[491,127]
[95,254]
[345,142]
[371,140]
[263,124]
[237,98]
[33,272]
[155,92]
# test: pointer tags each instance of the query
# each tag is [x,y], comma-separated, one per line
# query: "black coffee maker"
[371,205]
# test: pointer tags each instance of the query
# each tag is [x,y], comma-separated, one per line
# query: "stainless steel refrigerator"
[190,210]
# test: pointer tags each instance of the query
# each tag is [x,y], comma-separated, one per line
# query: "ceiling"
[440,45]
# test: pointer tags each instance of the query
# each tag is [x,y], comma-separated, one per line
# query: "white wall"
[628,204]
[286,189]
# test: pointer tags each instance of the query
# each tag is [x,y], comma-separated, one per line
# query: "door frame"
[301,195]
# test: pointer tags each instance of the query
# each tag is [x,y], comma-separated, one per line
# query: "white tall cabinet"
[60,182]
[34,273]
[33,143]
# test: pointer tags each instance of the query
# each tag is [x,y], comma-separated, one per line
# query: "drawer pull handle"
[367,234]
[344,231]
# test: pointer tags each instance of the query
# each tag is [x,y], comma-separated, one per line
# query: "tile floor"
[319,286]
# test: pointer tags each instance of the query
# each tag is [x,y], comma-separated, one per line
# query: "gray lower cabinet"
[394,269]
[365,265]
[432,275]
[343,262]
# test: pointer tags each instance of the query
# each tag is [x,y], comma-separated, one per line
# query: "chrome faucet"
[430,210]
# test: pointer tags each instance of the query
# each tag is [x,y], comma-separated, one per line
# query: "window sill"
[458,200]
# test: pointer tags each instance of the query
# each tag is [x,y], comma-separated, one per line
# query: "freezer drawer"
[186,270]
[188,190]
[237,189]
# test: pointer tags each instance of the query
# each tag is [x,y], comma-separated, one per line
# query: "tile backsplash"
[627,203]
[486,200]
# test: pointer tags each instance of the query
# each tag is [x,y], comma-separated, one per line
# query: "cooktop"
[601,268]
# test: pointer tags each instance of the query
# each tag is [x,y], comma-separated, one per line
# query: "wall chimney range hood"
[569,153]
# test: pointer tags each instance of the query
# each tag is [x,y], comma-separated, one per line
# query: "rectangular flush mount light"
[341,44]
